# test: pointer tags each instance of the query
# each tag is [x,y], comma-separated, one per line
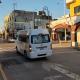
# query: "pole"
[14,6]
[65,35]
[64,8]
[33,20]
[65,18]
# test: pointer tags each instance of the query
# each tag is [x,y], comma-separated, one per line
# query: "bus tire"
[17,50]
[25,53]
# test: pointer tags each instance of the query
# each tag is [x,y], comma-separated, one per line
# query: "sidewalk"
[7,41]
[61,44]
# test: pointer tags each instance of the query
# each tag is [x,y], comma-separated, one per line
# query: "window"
[23,38]
[41,38]
[77,9]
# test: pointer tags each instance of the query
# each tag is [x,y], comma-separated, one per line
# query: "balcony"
[69,1]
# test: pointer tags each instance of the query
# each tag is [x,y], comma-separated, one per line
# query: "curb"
[5,73]
[77,48]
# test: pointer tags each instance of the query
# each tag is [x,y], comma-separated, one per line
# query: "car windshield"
[41,38]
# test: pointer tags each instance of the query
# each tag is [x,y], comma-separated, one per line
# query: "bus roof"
[38,31]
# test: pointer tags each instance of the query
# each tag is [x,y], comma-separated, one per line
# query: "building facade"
[74,7]
[61,29]
[70,24]
[6,25]
[20,20]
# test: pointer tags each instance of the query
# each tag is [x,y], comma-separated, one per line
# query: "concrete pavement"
[61,44]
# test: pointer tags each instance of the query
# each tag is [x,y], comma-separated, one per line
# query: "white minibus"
[35,44]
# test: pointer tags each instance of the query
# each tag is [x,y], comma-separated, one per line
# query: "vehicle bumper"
[40,54]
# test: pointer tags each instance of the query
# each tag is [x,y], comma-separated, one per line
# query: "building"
[20,20]
[6,21]
[74,7]
[1,32]
[2,35]
[70,24]
[61,29]
[17,20]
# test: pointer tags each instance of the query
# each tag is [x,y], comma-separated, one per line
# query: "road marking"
[58,67]
[53,77]
[3,73]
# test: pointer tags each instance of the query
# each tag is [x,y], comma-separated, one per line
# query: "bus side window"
[23,38]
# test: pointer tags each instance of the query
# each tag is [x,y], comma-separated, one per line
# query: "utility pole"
[14,5]
[14,8]
[64,13]
[33,19]
[45,8]
[65,18]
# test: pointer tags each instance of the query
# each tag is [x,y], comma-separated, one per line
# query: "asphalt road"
[64,64]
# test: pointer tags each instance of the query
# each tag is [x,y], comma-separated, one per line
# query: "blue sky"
[56,7]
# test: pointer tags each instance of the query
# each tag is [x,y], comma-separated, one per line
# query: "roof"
[22,32]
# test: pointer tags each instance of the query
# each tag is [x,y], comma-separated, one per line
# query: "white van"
[35,44]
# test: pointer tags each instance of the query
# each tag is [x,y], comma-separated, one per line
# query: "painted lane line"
[53,77]
[3,73]
[58,67]
[66,72]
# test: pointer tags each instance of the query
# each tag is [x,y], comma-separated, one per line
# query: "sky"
[55,7]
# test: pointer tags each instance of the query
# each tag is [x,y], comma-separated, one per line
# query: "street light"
[64,8]
[65,18]
[46,8]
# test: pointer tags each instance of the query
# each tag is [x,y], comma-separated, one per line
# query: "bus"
[35,44]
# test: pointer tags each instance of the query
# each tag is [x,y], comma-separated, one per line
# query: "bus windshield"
[41,38]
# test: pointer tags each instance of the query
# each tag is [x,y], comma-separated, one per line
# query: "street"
[1,78]
[64,64]
[46,33]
